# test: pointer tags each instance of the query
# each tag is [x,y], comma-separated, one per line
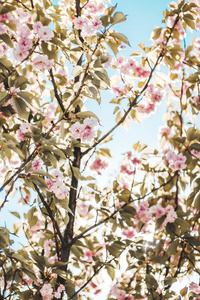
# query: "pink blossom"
[24,128]
[2,28]
[20,54]
[165,131]
[47,247]
[47,292]
[58,188]
[128,233]
[58,175]
[25,44]
[13,91]
[83,210]
[60,289]
[194,288]
[195,153]
[98,165]
[86,131]
[141,72]
[37,26]
[118,293]
[93,8]
[36,165]
[3,49]
[45,33]
[196,100]
[124,169]
[23,31]
[88,30]
[158,210]
[135,161]
[36,227]
[80,22]
[96,22]
[42,62]
[49,111]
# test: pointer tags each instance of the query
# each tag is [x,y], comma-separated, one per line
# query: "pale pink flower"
[49,111]
[3,49]
[83,210]
[97,24]
[165,131]
[135,161]
[45,33]
[194,288]
[118,293]
[47,292]
[36,165]
[47,247]
[25,44]
[98,165]
[42,62]
[88,31]
[36,227]
[59,189]
[76,130]
[195,153]
[60,289]
[23,31]
[13,91]
[80,22]
[20,54]
[58,175]
[128,233]
[37,26]
[24,127]
[126,170]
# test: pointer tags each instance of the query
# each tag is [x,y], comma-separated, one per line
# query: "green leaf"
[10,24]
[103,76]
[195,146]
[16,214]
[21,108]
[6,38]
[151,281]
[169,281]
[173,247]
[118,18]
[197,202]
[111,272]
[38,181]
[86,114]
[76,71]
[120,37]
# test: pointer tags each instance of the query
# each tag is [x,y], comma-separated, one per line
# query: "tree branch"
[134,102]
[56,90]
[82,234]
[50,214]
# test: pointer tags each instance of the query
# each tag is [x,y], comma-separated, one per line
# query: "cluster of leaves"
[49,146]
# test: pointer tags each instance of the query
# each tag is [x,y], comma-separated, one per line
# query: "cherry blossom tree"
[55,59]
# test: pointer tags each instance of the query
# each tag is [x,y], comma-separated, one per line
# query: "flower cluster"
[85,131]
[57,185]
[42,63]
[175,161]
[98,165]
[24,128]
[88,27]
[44,33]
[154,96]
